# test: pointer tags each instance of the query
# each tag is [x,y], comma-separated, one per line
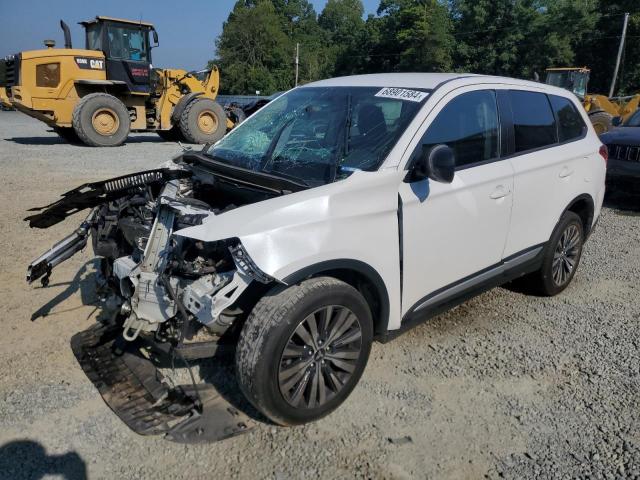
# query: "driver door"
[453,234]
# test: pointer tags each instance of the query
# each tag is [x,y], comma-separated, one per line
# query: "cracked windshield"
[315,136]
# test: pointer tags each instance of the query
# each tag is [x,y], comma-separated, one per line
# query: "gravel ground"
[504,386]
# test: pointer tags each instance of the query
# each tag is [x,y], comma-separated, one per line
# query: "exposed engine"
[164,283]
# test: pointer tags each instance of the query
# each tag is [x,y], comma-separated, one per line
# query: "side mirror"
[156,43]
[437,163]
[616,121]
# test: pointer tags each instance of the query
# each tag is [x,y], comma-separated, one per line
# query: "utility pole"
[297,61]
[620,51]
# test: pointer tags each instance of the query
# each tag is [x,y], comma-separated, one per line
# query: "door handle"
[499,192]
[565,172]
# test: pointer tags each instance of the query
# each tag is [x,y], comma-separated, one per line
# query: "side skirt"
[444,299]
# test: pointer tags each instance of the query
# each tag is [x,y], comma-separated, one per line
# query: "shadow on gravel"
[84,281]
[28,460]
[36,140]
[48,140]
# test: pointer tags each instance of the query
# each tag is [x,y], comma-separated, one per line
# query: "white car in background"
[344,211]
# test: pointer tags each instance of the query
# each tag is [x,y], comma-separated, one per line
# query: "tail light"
[604,153]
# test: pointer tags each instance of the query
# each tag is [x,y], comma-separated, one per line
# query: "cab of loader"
[575,80]
[127,49]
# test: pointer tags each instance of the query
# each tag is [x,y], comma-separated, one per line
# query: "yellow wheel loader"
[604,112]
[5,103]
[101,93]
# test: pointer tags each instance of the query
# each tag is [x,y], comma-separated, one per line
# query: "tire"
[602,121]
[68,134]
[101,120]
[237,115]
[262,369]
[544,281]
[203,121]
[171,135]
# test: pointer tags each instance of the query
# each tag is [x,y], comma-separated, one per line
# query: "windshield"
[316,135]
[634,120]
[127,43]
[573,81]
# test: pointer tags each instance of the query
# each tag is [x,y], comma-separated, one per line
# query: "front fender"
[355,219]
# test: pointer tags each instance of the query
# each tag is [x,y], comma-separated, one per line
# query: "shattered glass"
[317,135]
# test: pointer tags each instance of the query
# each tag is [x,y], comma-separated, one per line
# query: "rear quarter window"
[571,126]
[533,120]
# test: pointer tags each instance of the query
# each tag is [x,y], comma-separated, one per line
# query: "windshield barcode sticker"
[402,94]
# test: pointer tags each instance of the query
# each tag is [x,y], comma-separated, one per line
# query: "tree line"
[516,38]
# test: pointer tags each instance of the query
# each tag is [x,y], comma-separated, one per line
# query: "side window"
[533,120]
[469,125]
[570,123]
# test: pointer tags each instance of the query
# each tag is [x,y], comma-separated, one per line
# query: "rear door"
[451,232]
[549,164]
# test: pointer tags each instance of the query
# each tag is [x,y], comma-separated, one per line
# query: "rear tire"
[203,121]
[101,120]
[237,115]
[293,364]
[560,259]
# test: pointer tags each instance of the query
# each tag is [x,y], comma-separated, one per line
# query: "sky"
[187,28]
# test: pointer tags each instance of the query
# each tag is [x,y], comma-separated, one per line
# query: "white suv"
[344,211]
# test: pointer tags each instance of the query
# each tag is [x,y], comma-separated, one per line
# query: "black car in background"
[623,143]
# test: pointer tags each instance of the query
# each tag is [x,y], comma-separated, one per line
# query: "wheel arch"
[361,276]
[584,206]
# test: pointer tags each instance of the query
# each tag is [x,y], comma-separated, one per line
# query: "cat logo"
[90,63]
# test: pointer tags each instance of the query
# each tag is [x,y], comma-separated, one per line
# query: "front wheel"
[303,349]
[203,121]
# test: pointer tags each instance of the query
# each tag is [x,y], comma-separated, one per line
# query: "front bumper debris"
[136,391]
[91,195]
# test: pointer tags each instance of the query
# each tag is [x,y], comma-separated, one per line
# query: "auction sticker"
[402,94]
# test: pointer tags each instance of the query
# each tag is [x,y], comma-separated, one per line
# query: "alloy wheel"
[566,254]
[320,357]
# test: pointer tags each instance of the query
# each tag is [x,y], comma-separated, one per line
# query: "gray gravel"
[504,386]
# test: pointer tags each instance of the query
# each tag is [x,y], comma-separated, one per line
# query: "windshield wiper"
[268,156]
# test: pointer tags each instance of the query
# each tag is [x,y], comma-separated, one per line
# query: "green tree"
[343,25]
[520,37]
[599,50]
[253,52]
[414,35]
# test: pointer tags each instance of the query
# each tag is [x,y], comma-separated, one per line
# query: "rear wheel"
[561,257]
[303,349]
[203,121]
[101,120]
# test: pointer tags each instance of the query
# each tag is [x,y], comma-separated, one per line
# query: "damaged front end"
[177,297]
